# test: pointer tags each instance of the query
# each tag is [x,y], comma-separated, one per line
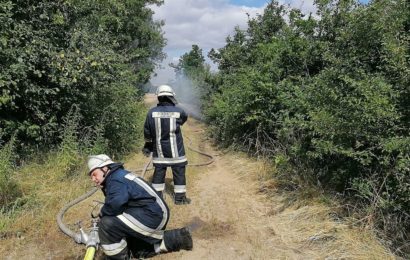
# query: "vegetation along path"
[232,215]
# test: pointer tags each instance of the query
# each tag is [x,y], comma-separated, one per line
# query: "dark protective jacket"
[162,128]
[133,200]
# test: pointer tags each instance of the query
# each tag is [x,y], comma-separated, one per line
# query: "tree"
[327,98]
[56,55]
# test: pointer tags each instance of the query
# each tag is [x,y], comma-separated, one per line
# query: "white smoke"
[188,95]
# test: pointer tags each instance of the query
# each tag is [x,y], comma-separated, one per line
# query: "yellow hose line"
[89,255]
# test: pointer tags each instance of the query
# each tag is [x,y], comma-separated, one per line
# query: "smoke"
[188,95]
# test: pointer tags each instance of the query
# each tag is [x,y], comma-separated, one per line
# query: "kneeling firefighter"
[133,217]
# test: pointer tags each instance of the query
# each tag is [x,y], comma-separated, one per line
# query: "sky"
[205,23]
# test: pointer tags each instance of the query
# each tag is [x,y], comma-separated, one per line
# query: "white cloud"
[306,6]
[206,23]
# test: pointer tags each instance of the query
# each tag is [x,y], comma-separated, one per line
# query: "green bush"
[68,154]
[56,54]
[327,98]
[348,118]
[9,189]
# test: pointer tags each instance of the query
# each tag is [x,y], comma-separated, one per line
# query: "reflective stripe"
[114,249]
[179,188]
[169,160]
[138,229]
[172,137]
[158,132]
[142,226]
[160,247]
[147,188]
[166,114]
[158,186]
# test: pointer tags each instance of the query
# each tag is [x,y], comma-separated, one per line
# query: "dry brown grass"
[309,226]
[46,189]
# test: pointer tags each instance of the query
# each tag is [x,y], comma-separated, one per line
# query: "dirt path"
[229,216]
[226,214]
[232,219]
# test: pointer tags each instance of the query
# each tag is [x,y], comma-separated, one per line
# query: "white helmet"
[98,161]
[165,90]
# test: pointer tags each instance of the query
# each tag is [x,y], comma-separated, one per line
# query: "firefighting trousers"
[178,172]
[117,239]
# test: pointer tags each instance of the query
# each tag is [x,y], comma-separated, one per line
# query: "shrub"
[327,99]
[9,189]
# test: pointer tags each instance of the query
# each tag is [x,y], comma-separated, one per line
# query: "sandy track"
[232,219]
[228,215]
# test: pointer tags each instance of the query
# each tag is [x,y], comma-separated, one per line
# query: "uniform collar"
[166,104]
[113,167]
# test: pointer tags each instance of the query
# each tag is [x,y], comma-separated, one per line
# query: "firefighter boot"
[181,199]
[123,255]
[178,239]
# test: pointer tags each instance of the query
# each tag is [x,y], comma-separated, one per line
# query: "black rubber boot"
[140,249]
[123,255]
[181,199]
[143,255]
[178,239]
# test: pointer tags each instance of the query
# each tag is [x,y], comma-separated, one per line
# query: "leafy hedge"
[328,95]
[9,189]
[56,55]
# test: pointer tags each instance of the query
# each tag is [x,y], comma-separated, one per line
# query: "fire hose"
[91,239]
[211,160]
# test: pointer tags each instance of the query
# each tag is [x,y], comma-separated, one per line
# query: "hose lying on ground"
[89,254]
[211,160]
[66,230]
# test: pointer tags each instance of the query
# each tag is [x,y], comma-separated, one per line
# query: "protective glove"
[147,150]
[96,211]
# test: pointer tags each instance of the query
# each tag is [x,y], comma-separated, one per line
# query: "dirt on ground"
[231,215]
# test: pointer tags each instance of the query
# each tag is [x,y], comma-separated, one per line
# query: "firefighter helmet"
[166,91]
[98,161]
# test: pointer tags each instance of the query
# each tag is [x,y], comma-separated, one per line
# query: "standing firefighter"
[163,137]
[133,217]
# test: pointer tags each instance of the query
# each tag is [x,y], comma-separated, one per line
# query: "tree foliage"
[92,55]
[327,93]
[192,76]
[191,63]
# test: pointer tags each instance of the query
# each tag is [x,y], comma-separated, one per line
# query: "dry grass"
[34,230]
[310,226]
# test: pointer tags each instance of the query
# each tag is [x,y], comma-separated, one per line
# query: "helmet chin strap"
[105,172]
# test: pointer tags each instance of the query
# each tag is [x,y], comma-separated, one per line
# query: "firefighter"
[163,137]
[133,217]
